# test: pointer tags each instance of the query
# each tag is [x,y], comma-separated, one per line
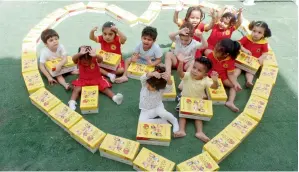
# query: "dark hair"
[262,24]
[206,62]
[108,24]
[150,31]
[85,56]
[228,46]
[232,17]
[47,34]
[156,83]
[190,27]
[194,8]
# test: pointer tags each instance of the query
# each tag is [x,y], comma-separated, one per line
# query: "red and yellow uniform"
[218,34]
[256,48]
[222,67]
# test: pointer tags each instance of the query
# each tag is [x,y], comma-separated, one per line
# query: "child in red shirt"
[110,41]
[89,74]
[255,45]
[223,60]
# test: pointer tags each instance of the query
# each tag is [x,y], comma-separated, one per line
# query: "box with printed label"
[110,60]
[194,108]
[170,96]
[270,59]
[269,74]
[96,7]
[255,107]
[136,70]
[66,68]
[218,96]
[33,81]
[76,8]
[89,100]
[247,63]
[122,15]
[262,89]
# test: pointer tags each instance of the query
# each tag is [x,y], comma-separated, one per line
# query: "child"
[146,52]
[255,45]
[154,84]
[90,74]
[110,41]
[52,51]
[194,85]
[223,60]
[185,44]
[223,29]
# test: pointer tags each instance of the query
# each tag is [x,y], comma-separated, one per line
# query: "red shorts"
[177,65]
[199,53]
[121,65]
[101,82]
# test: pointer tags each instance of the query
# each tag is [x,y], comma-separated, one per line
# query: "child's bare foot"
[121,79]
[232,106]
[67,86]
[179,134]
[249,84]
[202,137]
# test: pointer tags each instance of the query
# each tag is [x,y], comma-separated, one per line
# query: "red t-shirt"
[256,48]
[200,26]
[218,34]
[89,72]
[223,66]
[112,47]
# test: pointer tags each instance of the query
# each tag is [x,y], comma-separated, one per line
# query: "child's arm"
[43,69]
[180,67]
[239,18]
[61,63]
[122,36]
[213,21]
[203,44]
[214,76]
[92,35]
[82,51]
[245,50]
[153,63]
[167,77]
[183,31]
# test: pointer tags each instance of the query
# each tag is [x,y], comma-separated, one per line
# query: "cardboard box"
[201,162]
[87,135]
[122,15]
[110,60]
[33,36]
[44,100]
[29,62]
[58,16]
[247,63]
[29,47]
[170,96]
[68,67]
[269,74]
[262,89]
[65,117]
[96,7]
[196,108]
[255,107]
[89,100]
[155,6]
[154,134]
[221,146]
[218,96]
[270,59]
[147,160]
[148,17]
[33,81]
[75,9]
[136,70]
[241,126]
[119,149]
[168,4]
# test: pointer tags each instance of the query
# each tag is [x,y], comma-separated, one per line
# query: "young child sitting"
[255,45]
[52,50]
[154,84]
[90,74]
[194,84]
[111,41]
[146,52]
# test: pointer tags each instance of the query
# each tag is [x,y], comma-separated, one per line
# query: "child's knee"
[120,71]
[77,89]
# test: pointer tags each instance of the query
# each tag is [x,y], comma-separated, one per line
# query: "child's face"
[185,40]
[52,43]
[257,33]
[108,34]
[198,71]
[194,18]
[85,62]
[147,42]
[224,22]
[218,52]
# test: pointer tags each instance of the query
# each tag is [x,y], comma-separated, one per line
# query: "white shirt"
[151,99]
[154,52]
[46,54]
[188,51]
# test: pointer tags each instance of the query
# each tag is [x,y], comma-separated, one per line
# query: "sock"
[118,98]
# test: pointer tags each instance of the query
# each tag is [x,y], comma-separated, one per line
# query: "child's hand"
[184,31]
[135,57]
[247,52]
[212,14]
[115,29]
[156,74]
[198,33]
[240,10]
[52,81]
[165,76]
[180,57]
[237,87]
[92,52]
[94,29]
[261,60]
[214,76]
[83,50]
[149,60]
[179,6]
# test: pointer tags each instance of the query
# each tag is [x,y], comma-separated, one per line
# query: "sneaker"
[111,77]
[72,104]
[177,108]
[118,98]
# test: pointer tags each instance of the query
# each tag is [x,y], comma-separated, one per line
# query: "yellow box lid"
[33,80]
[219,93]
[150,161]
[269,73]
[148,16]
[76,6]
[51,64]
[248,61]
[87,133]
[262,88]
[241,126]
[255,107]
[65,116]
[140,69]
[150,131]
[221,145]
[196,106]
[109,58]
[96,5]
[89,97]
[29,64]
[58,14]
[44,99]
[29,55]
[201,162]
[121,13]
[173,90]
[120,147]
[270,59]
[29,48]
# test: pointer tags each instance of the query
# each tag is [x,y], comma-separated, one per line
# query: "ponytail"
[230,47]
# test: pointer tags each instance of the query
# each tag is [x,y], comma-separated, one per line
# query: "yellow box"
[154,134]
[221,146]
[241,126]
[148,17]
[119,149]
[59,14]
[68,67]
[218,96]
[247,63]
[173,45]
[110,60]
[97,7]
[136,70]
[76,8]
[33,81]
[122,15]
[196,108]
[65,117]
[201,162]
[255,107]
[29,47]
[270,59]
[262,89]
[33,36]
[155,6]
[170,96]
[89,100]
[44,100]
[269,74]
[29,63]
[147,160]
[87,135]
